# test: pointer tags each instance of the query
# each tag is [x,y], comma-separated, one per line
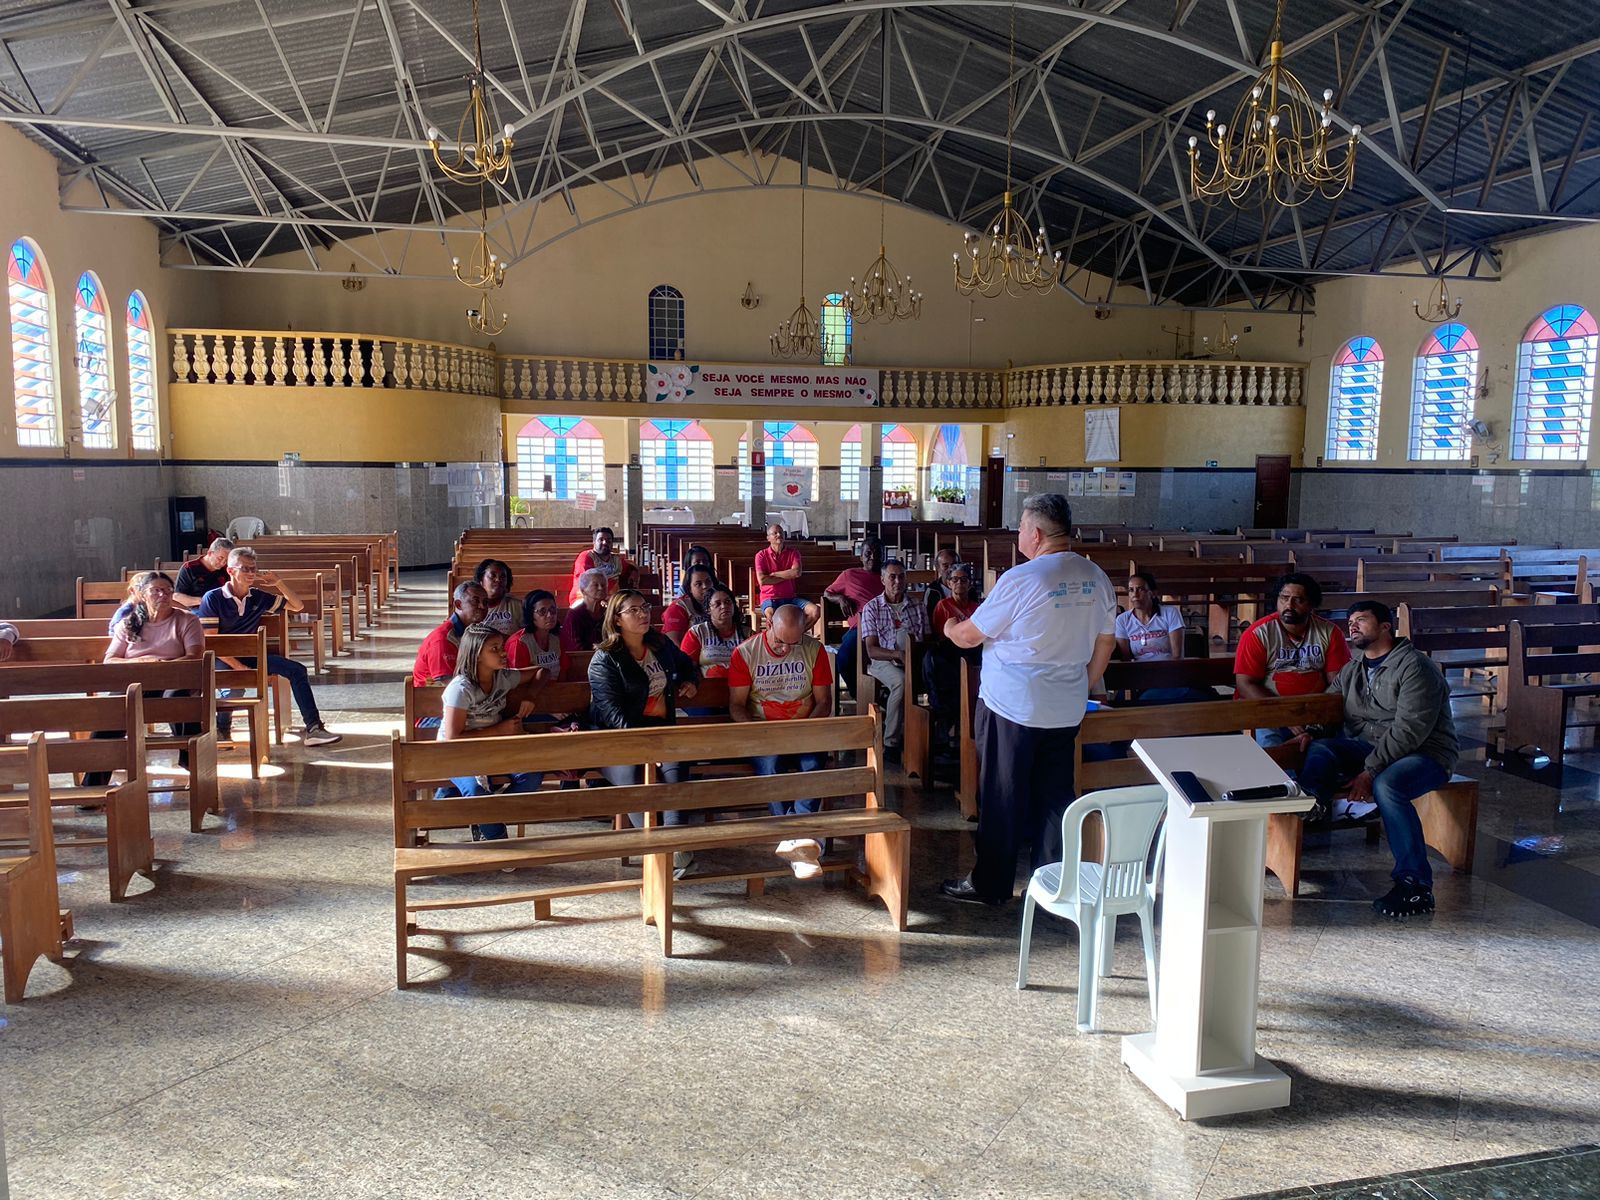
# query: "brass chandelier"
[1276,146]
[882,294]
[479,156]
[799,335]
[484,269]
[1015,261]
[482,319]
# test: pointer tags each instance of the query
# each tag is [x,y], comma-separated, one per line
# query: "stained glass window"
[898,452]
[676,460]
[787,445]
[1555,386]
[32,362]
[1445,377]
[1355,394]
[141,376]
[837,331]
[947,465]
[666,323]
[566,451]
[96,400]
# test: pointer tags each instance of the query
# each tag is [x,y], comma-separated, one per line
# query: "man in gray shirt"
[1398,743]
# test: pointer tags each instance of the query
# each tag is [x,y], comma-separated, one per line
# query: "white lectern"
[1202,1057]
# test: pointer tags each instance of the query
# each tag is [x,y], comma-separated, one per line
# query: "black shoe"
[892,754]
[962,889]
[1408,898]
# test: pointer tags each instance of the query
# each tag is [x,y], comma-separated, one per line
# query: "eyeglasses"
[246,570]
[633,610]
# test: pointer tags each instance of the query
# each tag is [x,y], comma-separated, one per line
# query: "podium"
[1201,1058]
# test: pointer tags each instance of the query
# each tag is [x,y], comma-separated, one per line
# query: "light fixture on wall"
[484,158]
[1276,146]
[1439,309]
[482,319]
[882,295]
[799,337]
[1015,261]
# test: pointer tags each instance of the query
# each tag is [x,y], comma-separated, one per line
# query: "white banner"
[791,486]
[1102,435]
[742,383]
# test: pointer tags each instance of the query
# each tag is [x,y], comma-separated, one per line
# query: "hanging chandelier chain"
[1439,307]
[480,156]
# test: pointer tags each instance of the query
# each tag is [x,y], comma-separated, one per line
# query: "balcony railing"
[350,360]
[296,358]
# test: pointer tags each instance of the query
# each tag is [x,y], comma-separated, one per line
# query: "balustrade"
[292,358]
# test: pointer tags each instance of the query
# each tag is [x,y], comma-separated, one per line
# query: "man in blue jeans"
[1398,743]
[239,606]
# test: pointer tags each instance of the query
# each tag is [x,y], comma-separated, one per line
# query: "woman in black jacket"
[636,678]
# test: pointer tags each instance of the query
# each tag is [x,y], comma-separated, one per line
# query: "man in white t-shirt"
[1047,630]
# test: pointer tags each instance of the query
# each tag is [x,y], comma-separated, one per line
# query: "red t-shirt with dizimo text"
[1289,667]
[780,677]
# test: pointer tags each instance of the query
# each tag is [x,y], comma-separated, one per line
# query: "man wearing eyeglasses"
[239,606]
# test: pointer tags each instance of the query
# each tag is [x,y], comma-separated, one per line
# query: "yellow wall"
[121,251]
[325,425]
[1553,268]
[1156,435]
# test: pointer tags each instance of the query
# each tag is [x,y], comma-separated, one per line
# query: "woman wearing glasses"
[636,679]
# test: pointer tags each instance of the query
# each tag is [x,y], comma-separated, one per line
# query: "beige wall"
[121,251]
[1156,435]
[585,293]
[1554,268]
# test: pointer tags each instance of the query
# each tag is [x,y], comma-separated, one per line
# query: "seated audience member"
[1398,743]
[474,705]
[538,642]
[782,674]
[688,608]
[851,589]
[695,555]
[504,611]
[436,658]
[942,659]
[1292,652]
[204,574]
[777,568]
[581,627]
[8,640]
[1153,632]
[886,623]
[238,606]
[616,570]
[155,630]
[943,563]
[712,642]
[636,678]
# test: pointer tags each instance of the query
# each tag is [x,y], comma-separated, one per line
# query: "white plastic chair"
[1093,895]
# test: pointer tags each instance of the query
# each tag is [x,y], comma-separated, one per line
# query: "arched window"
[143,409]
[948,462]
[837,330]
[1555,386]
[676,458]
[96,400]
[559,457]
[666,323]
[898,453]
[787,445]
[1355,393]
[1441,394]
[33,363]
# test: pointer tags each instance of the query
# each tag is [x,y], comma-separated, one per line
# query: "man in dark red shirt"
[436,660]
[1292,652]
[850,590]
[204,574]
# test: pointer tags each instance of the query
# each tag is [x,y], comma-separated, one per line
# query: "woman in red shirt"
[538,642]
[941,661]
[689,608]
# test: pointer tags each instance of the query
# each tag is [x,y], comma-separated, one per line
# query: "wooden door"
[994,480]
[1272,491]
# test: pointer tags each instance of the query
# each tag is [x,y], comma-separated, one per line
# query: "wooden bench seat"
[418,767]
[32,923]
[1540,693]
[1478,637]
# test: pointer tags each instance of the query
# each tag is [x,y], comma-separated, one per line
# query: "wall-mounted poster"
[1126,481]
[1102,435]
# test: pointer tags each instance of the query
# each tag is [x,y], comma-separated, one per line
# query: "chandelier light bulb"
[433,133]
[1193,141]
[1327,95]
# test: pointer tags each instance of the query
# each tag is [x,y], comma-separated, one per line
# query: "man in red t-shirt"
[436,660]
[619,572]
[782,675]
[777,568]
[1293,652]
[851,590]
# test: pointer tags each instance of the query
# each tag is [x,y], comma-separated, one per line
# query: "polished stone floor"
[233,1029]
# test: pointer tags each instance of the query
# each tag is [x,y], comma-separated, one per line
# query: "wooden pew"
[32,922]
[128,844]
[917,721]
[421,766]
[1540,692]
[1449,814]
[1478,637]
[71,666]
[1386,573]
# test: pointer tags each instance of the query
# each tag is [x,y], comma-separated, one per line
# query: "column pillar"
[632,492]
[870,507]
[756,449]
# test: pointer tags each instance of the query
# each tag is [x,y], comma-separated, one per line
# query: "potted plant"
[947,503]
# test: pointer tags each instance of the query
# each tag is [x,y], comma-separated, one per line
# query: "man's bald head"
[788,623]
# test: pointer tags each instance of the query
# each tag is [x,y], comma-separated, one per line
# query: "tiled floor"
[233,1030]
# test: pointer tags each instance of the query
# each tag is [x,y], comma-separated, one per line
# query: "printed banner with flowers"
[743,383]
